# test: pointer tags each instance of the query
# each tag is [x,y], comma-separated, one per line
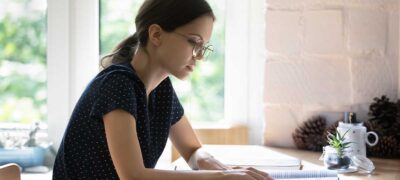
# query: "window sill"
[229,134]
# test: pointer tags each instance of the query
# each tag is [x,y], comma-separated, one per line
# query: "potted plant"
[335,154]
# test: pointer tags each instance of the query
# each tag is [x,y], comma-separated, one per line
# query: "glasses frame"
[200,50]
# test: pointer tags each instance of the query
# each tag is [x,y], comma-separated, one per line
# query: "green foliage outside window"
[203,94]
[23,77]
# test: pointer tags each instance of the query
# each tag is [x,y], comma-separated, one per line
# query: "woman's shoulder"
[118,68]
[122,70]
[114,76]
[164,85]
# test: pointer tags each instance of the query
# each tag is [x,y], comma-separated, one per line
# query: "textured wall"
[326,56]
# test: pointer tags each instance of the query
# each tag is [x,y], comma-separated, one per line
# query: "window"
[203,95]
[23,79]
[73,38]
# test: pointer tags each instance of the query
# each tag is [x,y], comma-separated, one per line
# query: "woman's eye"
[192,41]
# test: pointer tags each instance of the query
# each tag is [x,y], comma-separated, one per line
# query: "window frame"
[245,49]
[72,54]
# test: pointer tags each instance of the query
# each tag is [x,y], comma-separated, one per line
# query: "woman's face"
[176,51]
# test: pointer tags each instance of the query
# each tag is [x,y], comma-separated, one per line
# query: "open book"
[304,174]
[264,164]
[278,165]
[254,156]
[248,156]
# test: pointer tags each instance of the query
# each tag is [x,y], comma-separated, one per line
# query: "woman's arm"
[124,147]
[188,145]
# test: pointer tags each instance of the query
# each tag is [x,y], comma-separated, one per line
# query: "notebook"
[249,156]
[254,156]
[278,165]
[305,174]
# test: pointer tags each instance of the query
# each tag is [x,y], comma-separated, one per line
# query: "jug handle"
[376,138]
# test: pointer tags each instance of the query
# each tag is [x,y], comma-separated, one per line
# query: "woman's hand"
[246,174]
[210,163]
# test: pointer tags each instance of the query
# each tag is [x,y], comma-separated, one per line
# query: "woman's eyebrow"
[198,35]
[194,34]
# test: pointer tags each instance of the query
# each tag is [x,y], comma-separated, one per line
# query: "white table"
[385,169]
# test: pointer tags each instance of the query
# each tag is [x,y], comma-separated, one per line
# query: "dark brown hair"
[168,14]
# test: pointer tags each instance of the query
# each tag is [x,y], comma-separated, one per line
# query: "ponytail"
[122,53]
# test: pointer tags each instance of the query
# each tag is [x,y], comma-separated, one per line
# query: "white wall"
[327,56]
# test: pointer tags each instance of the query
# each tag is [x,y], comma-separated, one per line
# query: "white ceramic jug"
[358,136]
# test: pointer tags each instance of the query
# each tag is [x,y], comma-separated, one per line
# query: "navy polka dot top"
[84,154]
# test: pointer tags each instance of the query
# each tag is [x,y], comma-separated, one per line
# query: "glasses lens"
[207,51]
[198,51]
[201,52]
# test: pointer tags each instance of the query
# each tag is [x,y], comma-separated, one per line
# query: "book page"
[248,156]
[322,178]
[298,174]
[277,161]
[253,156]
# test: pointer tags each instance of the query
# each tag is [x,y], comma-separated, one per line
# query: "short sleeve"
[177,109]
[116,91]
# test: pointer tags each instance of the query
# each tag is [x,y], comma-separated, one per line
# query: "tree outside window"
[23,89]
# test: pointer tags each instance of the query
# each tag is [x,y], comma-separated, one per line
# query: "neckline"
[129,65]
[140,81]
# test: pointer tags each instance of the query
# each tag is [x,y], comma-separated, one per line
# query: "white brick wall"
[368,30]
[283,33]
[327,56]
[307,82]
[372,78]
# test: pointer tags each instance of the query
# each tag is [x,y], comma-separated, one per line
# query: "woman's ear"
[155,34]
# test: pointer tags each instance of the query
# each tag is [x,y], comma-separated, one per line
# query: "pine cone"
[387,147]
[299,139]
[369,125]
[383,112]
[315,143]
[396,130]
[374,126]
[396,125]
[330,129]
[309,135]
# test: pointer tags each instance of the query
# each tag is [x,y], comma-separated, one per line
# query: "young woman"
[123,119]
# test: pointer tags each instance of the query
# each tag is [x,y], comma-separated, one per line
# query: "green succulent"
[337,142]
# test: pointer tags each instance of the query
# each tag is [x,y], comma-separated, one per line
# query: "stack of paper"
[278,165]
[253,156]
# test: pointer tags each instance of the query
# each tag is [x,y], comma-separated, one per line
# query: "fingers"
[237,167]
[258,171]
[254,173]
[257,174]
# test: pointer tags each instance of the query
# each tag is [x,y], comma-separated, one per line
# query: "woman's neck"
[148,70]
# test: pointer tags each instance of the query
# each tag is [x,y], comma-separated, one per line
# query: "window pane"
[23,88]
[203,94]
[117,21]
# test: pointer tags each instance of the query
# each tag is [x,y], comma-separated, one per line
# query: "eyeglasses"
[200,51]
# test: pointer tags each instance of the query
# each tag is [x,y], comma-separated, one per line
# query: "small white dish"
[348,170]
[363,163]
